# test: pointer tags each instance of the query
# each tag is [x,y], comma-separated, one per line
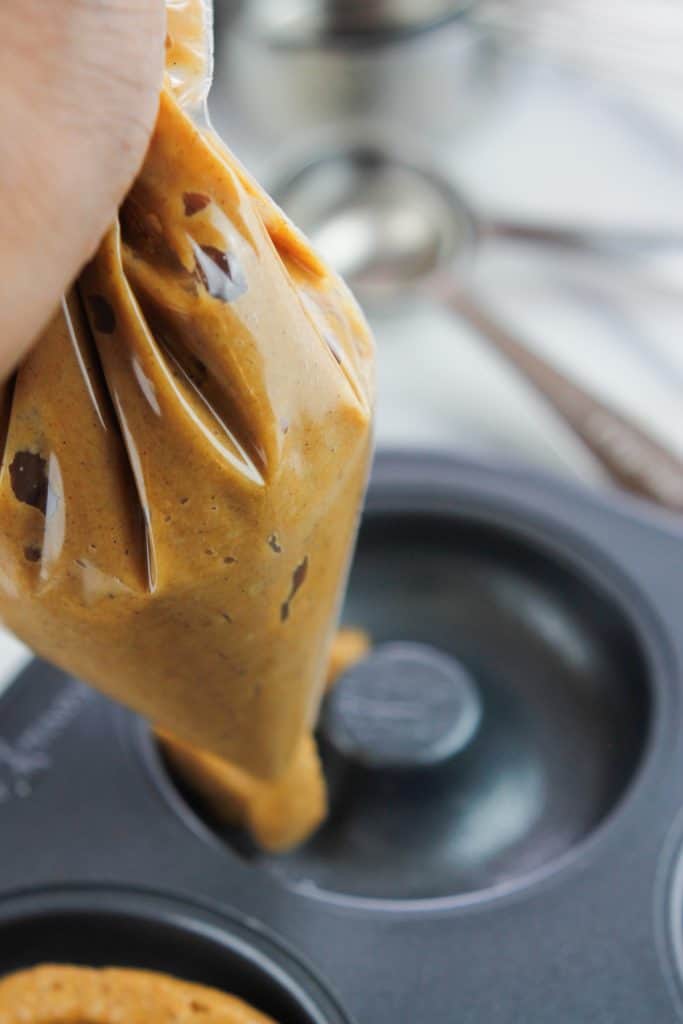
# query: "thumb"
[79,88]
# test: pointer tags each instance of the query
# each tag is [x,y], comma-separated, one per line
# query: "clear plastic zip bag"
[187,447]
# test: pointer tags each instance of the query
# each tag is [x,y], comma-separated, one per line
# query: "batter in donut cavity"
[55,994]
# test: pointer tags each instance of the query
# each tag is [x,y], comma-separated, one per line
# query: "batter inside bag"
[278,814]
[186,452]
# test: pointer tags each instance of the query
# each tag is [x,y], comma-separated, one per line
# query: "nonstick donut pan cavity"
[496,860]
[98,926]
[564,708]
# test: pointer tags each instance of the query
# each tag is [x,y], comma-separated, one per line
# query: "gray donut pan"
[585,938]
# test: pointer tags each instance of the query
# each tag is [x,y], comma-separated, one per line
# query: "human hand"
[79,88]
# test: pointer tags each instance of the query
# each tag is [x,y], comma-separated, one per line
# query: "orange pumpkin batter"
[79,995]
[186,452]
[278,814]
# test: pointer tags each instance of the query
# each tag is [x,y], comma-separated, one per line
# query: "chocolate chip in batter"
[219,272]
[102,314]
[194,202]
[32,553]
[28,473]
[219,257]
[274,543]
[298,577]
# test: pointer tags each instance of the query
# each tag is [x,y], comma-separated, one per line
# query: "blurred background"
[563,113]
[487,174]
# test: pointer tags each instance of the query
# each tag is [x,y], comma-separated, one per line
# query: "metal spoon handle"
[614,243]
[634,460]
